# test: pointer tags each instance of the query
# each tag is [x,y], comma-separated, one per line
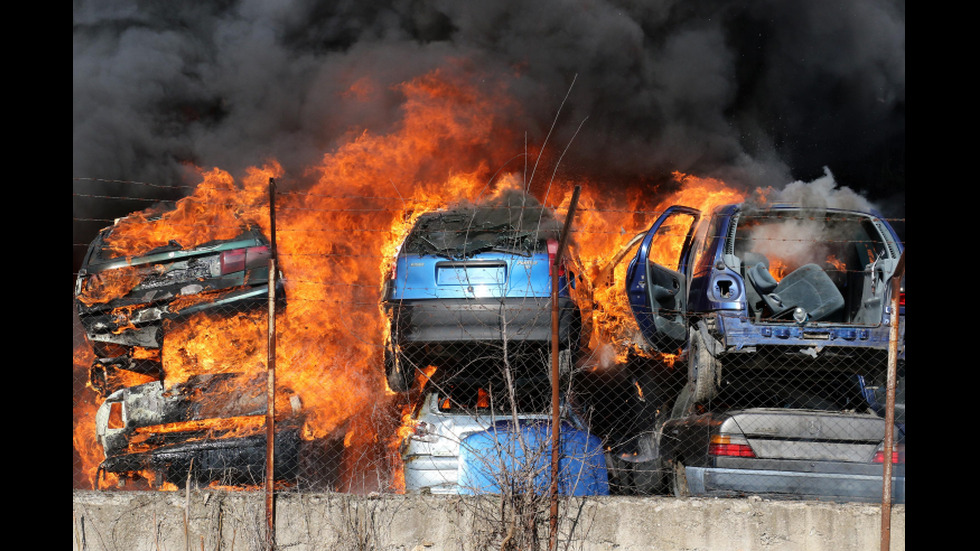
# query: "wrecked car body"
[124,302]
[785,438]
[471,278]
[468,438]
[209,429]
[778,285]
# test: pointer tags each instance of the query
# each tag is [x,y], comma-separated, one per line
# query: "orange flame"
[601,243]
[337,236]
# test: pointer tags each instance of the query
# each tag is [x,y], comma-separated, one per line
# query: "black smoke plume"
[757,93]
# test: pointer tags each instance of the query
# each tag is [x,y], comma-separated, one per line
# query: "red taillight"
[729,447]
[115,416]
[237,260]
[552,253]
[232,261]
[898,456]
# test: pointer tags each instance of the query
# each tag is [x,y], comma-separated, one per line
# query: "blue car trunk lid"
[470,274]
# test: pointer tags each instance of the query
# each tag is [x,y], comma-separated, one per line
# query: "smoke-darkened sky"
[758,93]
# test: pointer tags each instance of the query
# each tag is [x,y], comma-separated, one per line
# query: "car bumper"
[704,481]
[427,473]
[140,325]
[742,333]
[457,320]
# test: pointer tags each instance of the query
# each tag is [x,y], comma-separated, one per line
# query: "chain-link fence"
[415,352]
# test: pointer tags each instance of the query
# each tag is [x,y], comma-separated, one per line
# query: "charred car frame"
[209,429]
[124,302]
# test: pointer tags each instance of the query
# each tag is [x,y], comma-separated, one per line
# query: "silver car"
[469,439]
[444,417]
[777,441]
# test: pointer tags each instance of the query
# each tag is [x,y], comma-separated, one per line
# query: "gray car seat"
[760,281]
[807,287]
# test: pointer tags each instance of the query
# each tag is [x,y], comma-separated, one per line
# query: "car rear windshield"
[103,249]
[465,232]
[487,396]
[840,242]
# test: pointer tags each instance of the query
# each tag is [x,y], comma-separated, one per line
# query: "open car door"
[656,280]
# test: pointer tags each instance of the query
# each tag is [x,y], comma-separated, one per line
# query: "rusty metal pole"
[555,401]
[886,490]
[270,414]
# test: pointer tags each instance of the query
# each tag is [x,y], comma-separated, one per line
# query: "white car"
[462,427]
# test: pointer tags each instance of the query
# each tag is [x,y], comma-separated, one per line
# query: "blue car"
[471,280]
[779,286]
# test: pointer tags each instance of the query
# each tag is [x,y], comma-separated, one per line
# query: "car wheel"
[398,380]
[564,363]
[685,403]
[620,474]
[98,380]
[703,369]
[648,476]
[678,480]
[103,379]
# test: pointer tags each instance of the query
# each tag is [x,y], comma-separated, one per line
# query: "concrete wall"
[235,521]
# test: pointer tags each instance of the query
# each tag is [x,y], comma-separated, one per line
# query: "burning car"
[208,429]
[467,436]
[779,435]
[779,285]
[123,302]
[476,276]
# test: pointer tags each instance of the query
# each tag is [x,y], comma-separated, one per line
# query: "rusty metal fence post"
[886,493]
[270,416]
[555,372]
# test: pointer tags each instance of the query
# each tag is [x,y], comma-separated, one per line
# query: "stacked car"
[479,435]
[771,308]
[471,281]
[126,305]
[210,428]
[123,302]
[772,325]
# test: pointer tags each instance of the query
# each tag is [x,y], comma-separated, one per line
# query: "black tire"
[678,480]
[685,403]
[703,369]
[103,379]
[395,371]
[620,475]
[564,363]
[648,476]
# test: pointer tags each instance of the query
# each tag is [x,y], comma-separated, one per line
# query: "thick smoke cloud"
[758,93]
